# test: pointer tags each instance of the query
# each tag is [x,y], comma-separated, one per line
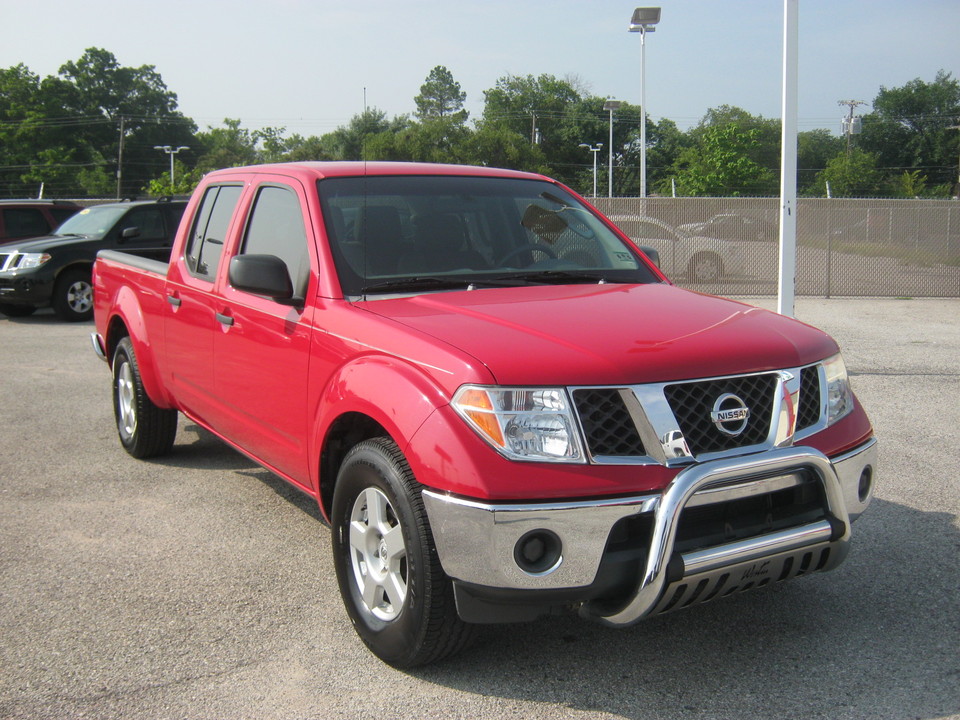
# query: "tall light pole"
[171,151]
[643,21]
[594,150]
[611,105]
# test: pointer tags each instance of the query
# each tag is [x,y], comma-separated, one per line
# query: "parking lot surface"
[200,586]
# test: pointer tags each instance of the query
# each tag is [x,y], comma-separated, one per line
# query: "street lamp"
[594,150]
[171,151]
[643,21]
[611,105]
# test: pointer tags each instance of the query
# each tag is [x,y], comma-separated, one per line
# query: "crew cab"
[54,271]
[502,407]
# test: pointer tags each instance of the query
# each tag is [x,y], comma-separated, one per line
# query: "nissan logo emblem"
[730,414]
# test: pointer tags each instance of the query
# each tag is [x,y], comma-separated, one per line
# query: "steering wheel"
[524,248]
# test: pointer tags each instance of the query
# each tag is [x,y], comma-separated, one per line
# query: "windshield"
[396,234]
[93,222]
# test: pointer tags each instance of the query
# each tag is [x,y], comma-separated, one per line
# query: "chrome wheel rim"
[378,555]
[80,296]
[126,400]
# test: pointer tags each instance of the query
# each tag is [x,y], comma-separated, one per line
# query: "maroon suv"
[21,219]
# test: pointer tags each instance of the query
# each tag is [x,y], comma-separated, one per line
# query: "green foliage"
[910,184]
[815,148]
[910,127]
[722,164]
[440,96]
[185,180]
[65,132]
[851,175]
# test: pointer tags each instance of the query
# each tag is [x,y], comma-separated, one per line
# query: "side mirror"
[651,253]
[262,275]
[129,233]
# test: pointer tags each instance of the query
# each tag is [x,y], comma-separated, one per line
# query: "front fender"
[394,393]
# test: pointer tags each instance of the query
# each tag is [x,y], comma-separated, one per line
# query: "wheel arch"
[373,396]
[128,321]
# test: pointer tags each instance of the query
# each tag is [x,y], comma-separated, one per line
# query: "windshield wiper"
[416,283]
[548,277]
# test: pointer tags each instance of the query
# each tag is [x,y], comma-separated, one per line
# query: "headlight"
[32,260]
[839,394]
[522,423]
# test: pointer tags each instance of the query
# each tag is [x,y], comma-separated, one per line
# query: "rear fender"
[128,310]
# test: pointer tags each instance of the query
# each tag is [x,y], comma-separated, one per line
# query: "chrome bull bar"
[663,569]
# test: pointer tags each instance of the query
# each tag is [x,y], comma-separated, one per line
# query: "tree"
[721,164]
[229,146]
[38,138]
[350,142]
[440,96]
[851,175]
[815,148]
[124,105]
[909,128]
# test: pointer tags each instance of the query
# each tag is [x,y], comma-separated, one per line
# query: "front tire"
[145,430]
[73,296]
[393,586]
[705,267]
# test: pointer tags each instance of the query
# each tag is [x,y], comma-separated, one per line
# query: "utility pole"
[848,124]
[120,159]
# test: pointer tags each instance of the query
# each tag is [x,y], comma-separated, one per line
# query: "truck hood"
[607,334]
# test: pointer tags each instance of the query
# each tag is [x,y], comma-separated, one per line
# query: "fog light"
[866,484]
[538,552]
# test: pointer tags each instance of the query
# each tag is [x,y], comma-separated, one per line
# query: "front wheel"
[395,591]
[145,430]
[73,296]
[705,267]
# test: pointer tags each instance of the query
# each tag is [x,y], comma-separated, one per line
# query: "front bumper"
[26,288]
[477,541]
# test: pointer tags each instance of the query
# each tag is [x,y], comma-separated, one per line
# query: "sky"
[309,65]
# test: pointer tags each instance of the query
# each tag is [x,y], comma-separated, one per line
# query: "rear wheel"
[16,310]
[145,430]
[73,296]
[395,591]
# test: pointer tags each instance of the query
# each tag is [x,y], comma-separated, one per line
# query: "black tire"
[409,616]
[73,295]
[145,430]
[16,310]
[705,267]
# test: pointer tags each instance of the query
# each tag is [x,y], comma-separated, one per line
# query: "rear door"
[262,348]
[191,306]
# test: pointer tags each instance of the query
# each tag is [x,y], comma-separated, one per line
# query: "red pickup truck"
[500,404]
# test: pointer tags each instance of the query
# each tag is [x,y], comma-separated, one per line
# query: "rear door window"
[209,231]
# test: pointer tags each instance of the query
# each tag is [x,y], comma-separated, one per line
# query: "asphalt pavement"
[200,586]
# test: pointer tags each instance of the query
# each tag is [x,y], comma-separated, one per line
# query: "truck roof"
[319,170]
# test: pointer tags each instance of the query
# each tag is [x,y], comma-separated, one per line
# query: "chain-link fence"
[869,247]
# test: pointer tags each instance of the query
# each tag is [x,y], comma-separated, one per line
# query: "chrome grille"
[808,410]
[608,428]
[693,402]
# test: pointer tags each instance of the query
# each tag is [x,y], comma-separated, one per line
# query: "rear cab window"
[209,230]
